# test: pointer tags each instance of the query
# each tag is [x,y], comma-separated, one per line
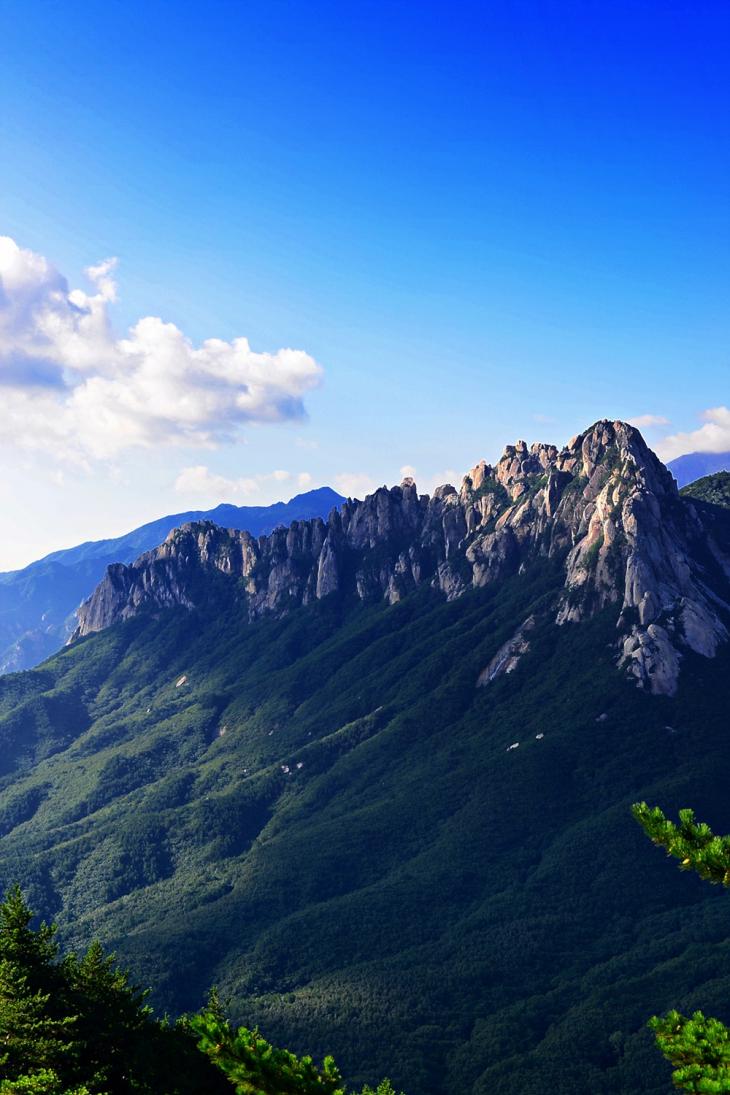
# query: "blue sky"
[480,221]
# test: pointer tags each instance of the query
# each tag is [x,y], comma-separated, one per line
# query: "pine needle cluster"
[697,1047]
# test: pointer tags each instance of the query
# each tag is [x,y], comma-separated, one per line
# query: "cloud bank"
[713,436]
[71,386]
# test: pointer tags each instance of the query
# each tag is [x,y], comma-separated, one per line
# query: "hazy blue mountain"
[695,465]
[37,603]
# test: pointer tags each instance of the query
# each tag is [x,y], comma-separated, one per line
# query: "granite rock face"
[508,656]
[604,506]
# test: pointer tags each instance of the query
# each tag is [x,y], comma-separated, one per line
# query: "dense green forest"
[713,489]
[321,815]
[76,1026]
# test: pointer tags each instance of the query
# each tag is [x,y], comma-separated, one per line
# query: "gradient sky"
[481,221]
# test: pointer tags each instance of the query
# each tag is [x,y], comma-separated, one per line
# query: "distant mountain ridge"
[604,503]
[37,603]
[694,465]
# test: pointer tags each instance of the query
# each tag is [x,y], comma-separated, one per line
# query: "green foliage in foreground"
[696,846]
[697,1047]
[75,1026]
[255,1067]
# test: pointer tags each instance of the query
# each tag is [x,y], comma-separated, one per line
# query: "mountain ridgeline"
[604,506]
[372,775]
[695,465]
[37,603]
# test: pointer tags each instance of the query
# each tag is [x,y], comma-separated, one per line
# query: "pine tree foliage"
[43,1082]
[113,1021]
[77,1026]
[21,944]
[694,845]
[31,1036]
[697,1047]
[36,1025]
[255,1067]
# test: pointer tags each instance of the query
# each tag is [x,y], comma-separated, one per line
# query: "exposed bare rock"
[508,656]
[604,507]
[641,546]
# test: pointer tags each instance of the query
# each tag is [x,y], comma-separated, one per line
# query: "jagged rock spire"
[604,505]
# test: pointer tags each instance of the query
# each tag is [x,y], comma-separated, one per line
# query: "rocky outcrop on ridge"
[604,505]
[508,656]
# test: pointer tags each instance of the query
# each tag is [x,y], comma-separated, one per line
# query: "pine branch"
[694,845]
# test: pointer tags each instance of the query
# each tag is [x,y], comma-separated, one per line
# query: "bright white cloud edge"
[74,388]
[713,436]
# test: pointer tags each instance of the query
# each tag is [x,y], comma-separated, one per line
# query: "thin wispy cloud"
[198,481]
[642,421]
[354,484]
[74,387]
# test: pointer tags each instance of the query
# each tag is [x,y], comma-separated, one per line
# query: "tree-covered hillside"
[714,489]
[322,815]
[710,497]
[73,1025]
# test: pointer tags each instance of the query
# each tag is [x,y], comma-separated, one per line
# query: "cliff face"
[604,505]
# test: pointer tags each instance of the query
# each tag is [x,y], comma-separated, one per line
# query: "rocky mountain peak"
[604,505]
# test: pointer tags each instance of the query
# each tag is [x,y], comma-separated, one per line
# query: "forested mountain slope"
[397,828]
[693,465]
[712,489]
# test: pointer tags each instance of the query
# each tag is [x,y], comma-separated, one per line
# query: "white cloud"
[73,387]
[450,475]
[714,436]
[408,472]
[641,421]
[354,484]
[545,419]
[199,481]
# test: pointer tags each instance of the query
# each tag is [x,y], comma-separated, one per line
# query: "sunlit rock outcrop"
[604,506]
